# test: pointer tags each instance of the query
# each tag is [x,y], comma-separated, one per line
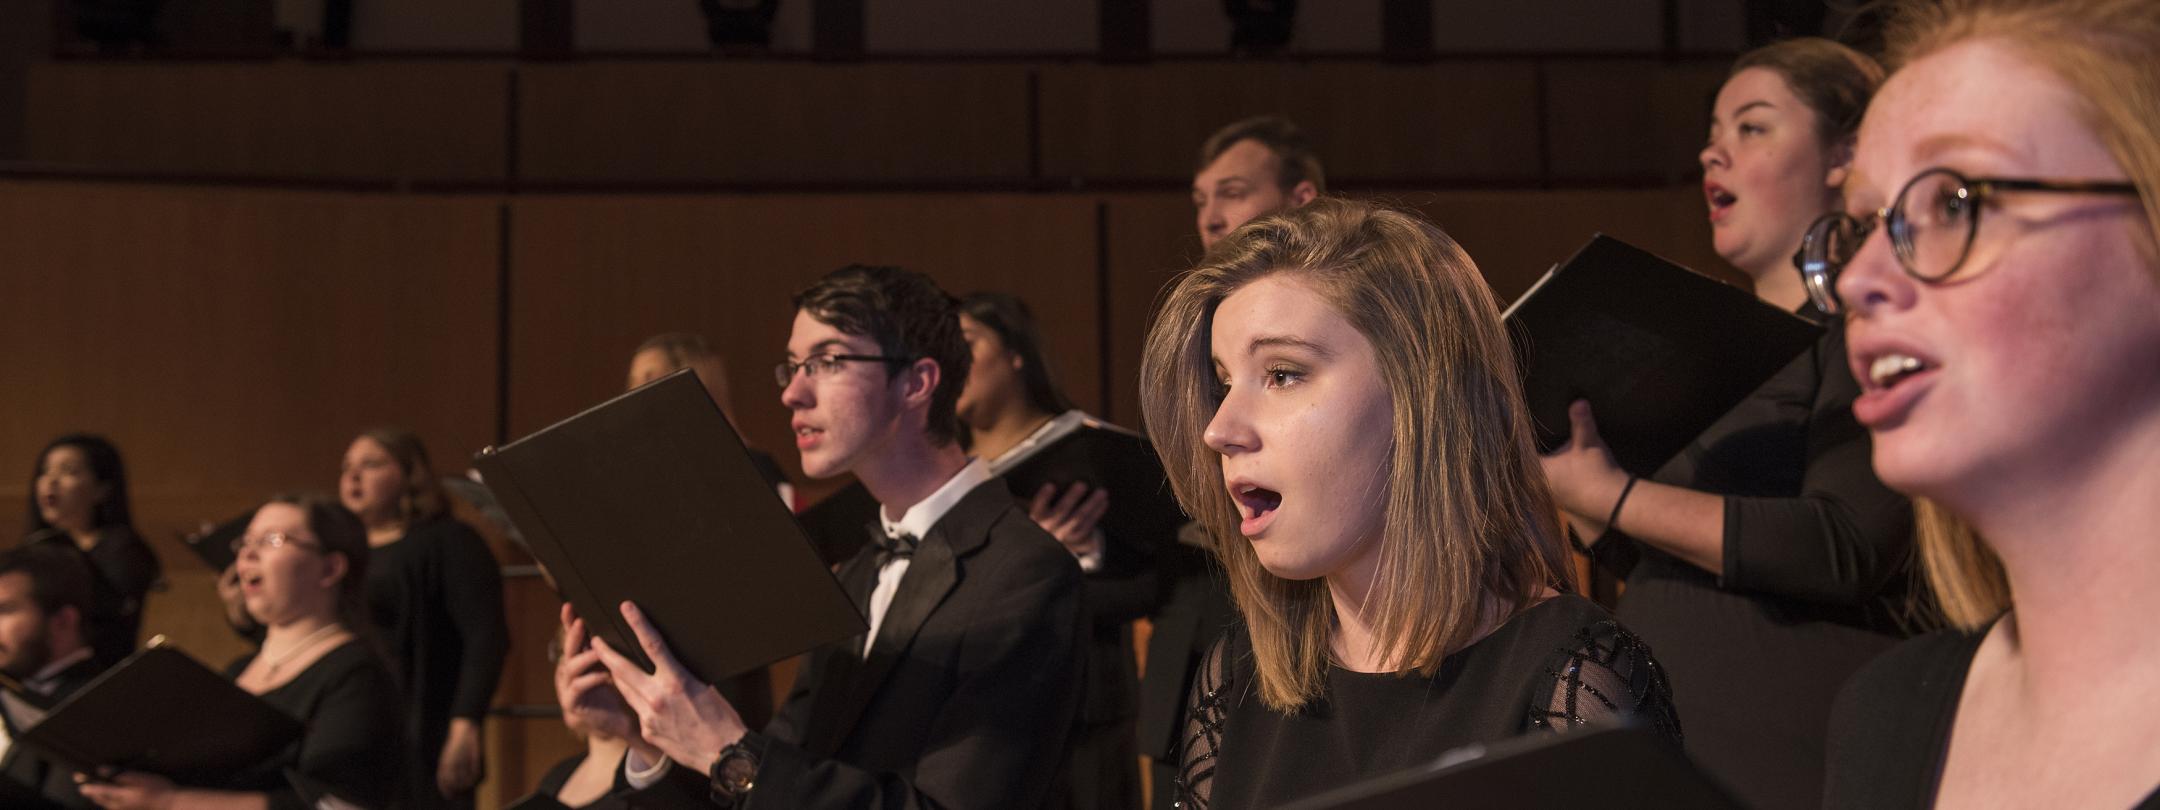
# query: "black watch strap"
[733,774]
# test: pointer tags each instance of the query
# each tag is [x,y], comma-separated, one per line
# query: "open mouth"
[1258,506]
[1890,369]
[1890,386]
[1720,200]
[806,435]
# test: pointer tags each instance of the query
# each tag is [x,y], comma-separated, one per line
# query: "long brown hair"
[2108,53]
[1468,533]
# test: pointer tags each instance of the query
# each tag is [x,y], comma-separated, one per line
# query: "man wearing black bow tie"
[965,690]
[45,593]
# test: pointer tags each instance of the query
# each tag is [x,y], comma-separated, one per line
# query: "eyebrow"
[826,345]
[1752,105]
[1934,146]
[1291,341]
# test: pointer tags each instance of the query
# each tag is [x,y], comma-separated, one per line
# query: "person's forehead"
[1980,103]
[14,584]
[1248,158]
[1276,305]
[811,335]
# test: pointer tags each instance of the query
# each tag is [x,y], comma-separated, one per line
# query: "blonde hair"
[2108,53]
[1468,534]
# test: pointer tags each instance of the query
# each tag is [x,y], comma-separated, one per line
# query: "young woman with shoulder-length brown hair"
[1997,261]
[1334,399]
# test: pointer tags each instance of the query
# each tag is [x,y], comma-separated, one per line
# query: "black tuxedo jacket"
[971,690]
[31,773]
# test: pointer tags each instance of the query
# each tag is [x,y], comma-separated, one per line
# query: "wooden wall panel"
[377,120]
[703,122]
[1630,119]
[596,275]
[1457,120]
[232,343]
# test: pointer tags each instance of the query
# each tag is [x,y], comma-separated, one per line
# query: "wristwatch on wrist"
[732,774]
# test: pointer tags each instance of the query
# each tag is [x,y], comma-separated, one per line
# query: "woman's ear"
[335,568]
[1840,163]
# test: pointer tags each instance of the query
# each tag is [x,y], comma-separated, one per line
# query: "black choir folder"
[651,497]
[1614,768]
[1659,350]
[161,712]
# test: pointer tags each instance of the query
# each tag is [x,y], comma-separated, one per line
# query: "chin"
[1288,564]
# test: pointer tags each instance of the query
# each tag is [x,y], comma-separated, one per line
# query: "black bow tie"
[891,547]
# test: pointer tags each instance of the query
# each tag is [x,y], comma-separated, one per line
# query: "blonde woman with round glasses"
[1998,262]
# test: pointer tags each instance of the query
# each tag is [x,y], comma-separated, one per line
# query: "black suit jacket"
[31,773]
[970,693]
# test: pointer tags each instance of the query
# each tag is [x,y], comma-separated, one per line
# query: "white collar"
[57,666]
[918,519]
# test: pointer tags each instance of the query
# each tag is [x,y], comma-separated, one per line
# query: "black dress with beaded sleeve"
[1560,664]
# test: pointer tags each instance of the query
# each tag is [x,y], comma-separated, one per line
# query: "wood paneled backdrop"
[472,249]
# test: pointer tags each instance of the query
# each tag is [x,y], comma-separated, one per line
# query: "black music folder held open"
[1659,350]
[214,547]
[1615,768]
[161,712]
[651,497]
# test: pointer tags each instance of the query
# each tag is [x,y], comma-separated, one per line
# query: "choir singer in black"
[965,691]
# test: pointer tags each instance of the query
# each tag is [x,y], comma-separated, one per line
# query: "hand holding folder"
[1659,350]
[651,497]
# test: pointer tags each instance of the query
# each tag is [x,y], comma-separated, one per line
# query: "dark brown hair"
[104,461]
[910,317]
[1834,81]
[1008,317]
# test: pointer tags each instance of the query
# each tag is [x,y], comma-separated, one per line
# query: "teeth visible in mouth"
[1889,367]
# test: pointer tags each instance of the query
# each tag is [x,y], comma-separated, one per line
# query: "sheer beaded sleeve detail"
[1606,675]
[1206,709]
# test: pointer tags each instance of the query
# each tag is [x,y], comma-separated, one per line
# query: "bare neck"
[283,635]
[2077,540]
[1354,642]
[1000,430]
[909,470]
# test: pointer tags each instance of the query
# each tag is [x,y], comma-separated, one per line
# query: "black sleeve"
[1001,743]
[1606,675]
[1206,709]
[473,581]
[1846,535]
[352,741]
[127,562]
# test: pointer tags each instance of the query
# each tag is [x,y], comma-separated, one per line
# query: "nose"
[1230,431]
[1212,224]
[1713,154]
[1873,283]
[798,394]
